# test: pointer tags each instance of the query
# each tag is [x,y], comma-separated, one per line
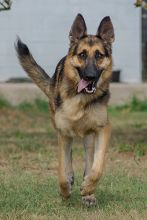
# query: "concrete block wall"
[44,26]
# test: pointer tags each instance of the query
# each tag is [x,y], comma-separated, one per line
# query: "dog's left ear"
[78,29]
[105,30]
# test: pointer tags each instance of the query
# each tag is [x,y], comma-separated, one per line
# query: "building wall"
[44,26]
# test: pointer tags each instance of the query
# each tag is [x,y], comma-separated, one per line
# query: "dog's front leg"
[90,181]
[66,175]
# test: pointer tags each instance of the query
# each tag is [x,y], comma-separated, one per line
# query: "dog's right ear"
[78,29]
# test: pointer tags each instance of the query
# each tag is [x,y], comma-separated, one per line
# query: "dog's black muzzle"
[91,75]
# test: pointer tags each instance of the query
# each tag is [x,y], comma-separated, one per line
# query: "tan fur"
[78,114]
[74,120]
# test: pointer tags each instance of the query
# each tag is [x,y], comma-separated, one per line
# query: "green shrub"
[135,105]
[4,103]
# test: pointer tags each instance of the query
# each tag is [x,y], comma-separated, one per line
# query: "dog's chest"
[74,119]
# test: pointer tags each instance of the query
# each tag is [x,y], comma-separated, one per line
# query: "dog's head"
[90,55]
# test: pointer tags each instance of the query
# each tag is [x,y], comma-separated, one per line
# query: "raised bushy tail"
[38,75]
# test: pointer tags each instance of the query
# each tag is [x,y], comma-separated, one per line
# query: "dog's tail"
[38,75]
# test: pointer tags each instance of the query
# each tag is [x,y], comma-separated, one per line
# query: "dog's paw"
[88,187]
[65,190]
[89,200]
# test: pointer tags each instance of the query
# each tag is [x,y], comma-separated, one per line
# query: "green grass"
[29,159]
[138,149]
[34,195]
[132,125]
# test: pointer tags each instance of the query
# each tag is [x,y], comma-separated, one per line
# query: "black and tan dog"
[78,95]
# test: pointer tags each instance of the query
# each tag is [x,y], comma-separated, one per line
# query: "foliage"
[5,5]
[141,3]
[4,103]
[135,105]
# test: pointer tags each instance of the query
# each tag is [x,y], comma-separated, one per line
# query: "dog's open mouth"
[86,86]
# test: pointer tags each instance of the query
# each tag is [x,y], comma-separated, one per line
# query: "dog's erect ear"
[105,30]
[78,29]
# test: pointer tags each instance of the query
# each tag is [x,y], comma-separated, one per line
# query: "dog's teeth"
[90,91]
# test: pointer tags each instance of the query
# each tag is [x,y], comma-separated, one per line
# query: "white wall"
[44,26]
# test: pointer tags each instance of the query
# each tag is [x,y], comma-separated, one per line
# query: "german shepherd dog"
[78,94]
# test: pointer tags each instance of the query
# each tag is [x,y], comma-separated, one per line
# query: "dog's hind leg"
[66,174]
[88,142]
[90,181]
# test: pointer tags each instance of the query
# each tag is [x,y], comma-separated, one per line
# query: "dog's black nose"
[90,72]
[90,78]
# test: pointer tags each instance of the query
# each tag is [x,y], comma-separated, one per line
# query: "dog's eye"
[82,55]
[98,55]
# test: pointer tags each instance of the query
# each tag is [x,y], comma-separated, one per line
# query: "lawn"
[28,166]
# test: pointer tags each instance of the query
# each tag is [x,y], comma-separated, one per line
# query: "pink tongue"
[82,85]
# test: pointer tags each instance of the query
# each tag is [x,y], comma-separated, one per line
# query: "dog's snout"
[90,77]
[90,72]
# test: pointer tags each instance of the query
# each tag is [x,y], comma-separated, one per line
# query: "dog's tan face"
[90,55]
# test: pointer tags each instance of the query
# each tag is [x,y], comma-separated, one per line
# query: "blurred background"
[44,26]
[28,142]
